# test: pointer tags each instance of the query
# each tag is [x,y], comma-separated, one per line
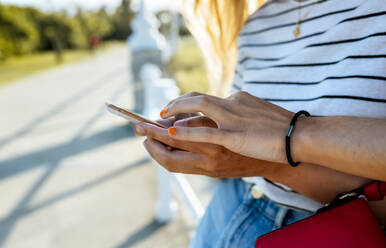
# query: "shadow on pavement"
[142,234]
[86,186]
[21,211]
[51,157]
[61,107]
[25,162]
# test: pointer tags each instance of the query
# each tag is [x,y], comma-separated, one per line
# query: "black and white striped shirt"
[336,66]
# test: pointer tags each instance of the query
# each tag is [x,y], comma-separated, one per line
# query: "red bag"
[348,222]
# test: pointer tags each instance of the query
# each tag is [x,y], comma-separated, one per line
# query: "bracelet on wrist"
[288,137]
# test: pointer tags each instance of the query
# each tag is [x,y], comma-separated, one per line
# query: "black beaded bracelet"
[288,137]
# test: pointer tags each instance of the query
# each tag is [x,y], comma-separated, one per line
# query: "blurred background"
[72,174]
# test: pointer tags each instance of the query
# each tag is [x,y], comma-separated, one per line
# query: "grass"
[26,65]
[21,66]
[188,67]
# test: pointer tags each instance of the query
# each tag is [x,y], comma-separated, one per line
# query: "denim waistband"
[267,207]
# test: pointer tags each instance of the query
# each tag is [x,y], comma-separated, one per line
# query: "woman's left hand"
[246,124]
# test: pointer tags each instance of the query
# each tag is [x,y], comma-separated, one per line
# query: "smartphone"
[132,117]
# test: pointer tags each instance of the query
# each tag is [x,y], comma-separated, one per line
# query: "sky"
[71,5]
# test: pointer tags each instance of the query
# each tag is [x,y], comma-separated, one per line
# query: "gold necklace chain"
[297,31]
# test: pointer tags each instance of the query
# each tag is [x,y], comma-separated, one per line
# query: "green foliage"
[121,20]
[25,30]
[17,34]
[78,39]
[188,67]
[99,23]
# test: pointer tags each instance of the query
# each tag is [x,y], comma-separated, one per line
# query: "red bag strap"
[375,191]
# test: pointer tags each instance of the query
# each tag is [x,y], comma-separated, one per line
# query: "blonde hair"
[216,25]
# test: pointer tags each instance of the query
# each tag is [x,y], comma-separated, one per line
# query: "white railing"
[152,92]
[159,92]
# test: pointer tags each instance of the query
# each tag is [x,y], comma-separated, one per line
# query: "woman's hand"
[197,158]
[245,124]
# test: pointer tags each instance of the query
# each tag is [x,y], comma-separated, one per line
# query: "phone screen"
[132,117]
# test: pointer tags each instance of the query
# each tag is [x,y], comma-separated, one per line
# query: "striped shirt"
[336,66]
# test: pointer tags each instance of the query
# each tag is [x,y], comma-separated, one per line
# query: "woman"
[326,57]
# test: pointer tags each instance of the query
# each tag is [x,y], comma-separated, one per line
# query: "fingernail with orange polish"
[172,131]
[163,112]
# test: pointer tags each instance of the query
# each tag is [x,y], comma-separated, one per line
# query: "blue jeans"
[235,219]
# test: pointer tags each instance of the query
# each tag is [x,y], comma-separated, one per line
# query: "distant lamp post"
[146,45]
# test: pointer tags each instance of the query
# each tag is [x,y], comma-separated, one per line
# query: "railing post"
[166,206]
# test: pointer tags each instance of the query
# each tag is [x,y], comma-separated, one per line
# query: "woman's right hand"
[194,157]
[246,124]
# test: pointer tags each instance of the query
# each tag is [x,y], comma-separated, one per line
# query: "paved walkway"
[71,174]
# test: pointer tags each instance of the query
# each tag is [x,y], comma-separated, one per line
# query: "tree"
[54,30]
[17,34]
[26,29]
[99,23]
[122,19]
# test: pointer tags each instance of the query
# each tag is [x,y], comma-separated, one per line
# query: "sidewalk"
[71,174]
